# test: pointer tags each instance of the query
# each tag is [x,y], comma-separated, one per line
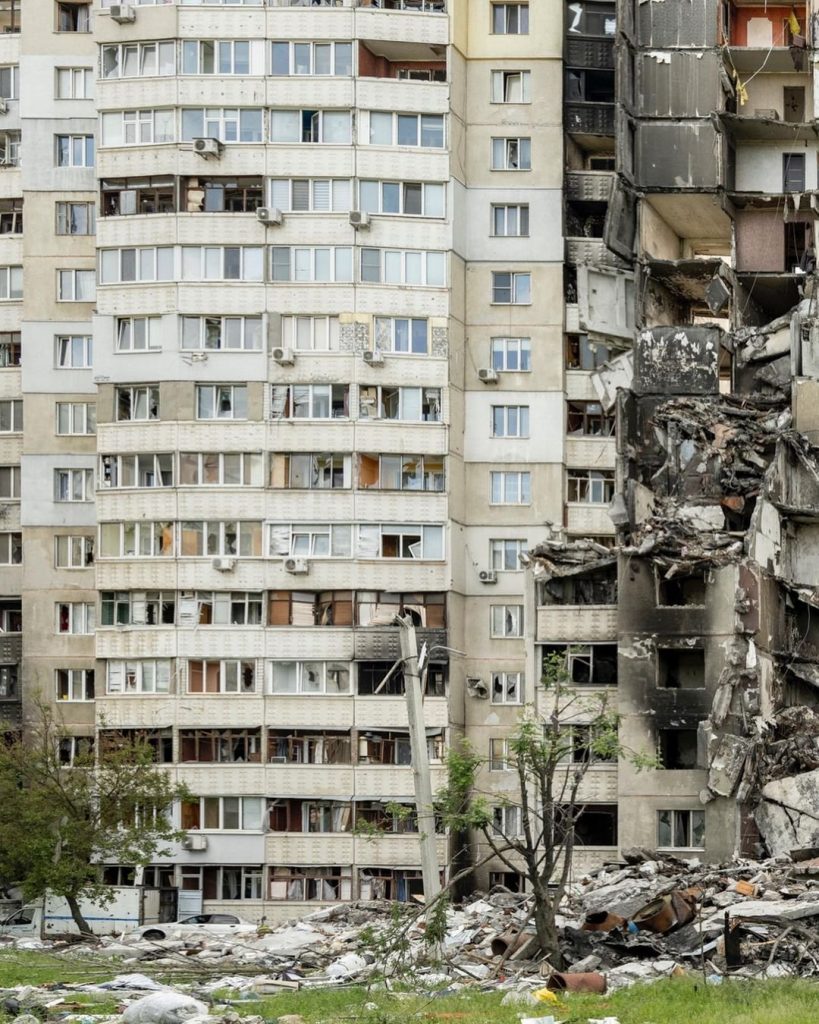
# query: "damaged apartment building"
[708,601]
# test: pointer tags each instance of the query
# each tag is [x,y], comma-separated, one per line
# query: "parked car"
[210,924]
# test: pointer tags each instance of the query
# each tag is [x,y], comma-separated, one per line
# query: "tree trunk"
[545,927]
[76,913]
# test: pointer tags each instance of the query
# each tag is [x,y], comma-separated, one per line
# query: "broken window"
[76,748]
[118,874]
[221,676]
[310,401]
[499,755]
[590,486]
[374,608]
[594,824]
[506,820]
[591,589]
[511,880]
[507,687]
[307,884]
[392,746]
[371,676]
[11,616]
[225,883]
[232,607]
[589,746]
[220,746]
[310,608]
[678,748]
[310,816]
[309,677]
[682,590]
[681,668]
[582,354]
[159,741]
[589,86]
[318,471]
[303,747]
[387,816]
[681,830]
[137,607]
[390,884]
[587,664]
[587,419]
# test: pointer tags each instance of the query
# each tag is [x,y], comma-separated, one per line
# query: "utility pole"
[420,758]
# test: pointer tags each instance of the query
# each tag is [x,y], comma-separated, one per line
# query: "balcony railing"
[589,118]
[590,53]
[589,186]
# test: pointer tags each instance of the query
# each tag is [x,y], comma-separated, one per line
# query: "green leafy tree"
[59,821]
[552,750]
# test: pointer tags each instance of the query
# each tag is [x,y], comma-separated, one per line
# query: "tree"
[552,750]
[60,821]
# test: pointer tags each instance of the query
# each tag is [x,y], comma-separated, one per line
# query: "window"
[73,17]
[221,401]
[234,608]
[75,218]
[593,20]
[511,288]
[506,620]
[11,549]
[241,813]
[222,263]
[76,285]
[510,487]
[130,60]
[313,540]
[588,664]
[506,820]
[681,830]
[74,84]
[793,172]
[11,416]
[510,19]
[310,333]
[138,403]
[223,195]
[499,755]
[75,618]
[511,355]
[227,124]
[74,351]
[242,538]
[137,608]
[681,668]
[142,539]
[399,266]
[511,86]
[127,196]
[387,129]
[309,677]
[125,266]
[11,216]
[10,82]
[401,472]
[310,401]
[11,282]
[411,198]
[587,419]
[75,150]
[594,824]
[316,195]
[221,469]
[318,471]
[590,486]
[138,677]
[511,154]
[73,552]
[682,589]
[9,16]
[221,746]
[510,421]
[73,484]
[510,220]
[75,684]
[74,418]
[311,58]
[9,482]
[425,609]
[237,333]
[218,57]
[308,608]
[10,349]
[400,541]
[327,126]
[137,127]
[221,677]
[678,749]
[139,333]
[504,555]
[582,354]
[507,687]
[402,335]
[298,263]
[397,403]
[9,146]
[136,470]
[76,749]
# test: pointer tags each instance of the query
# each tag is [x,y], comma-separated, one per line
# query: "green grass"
[676,1001]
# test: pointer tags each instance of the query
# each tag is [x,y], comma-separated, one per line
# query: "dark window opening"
[796,246]
[588,664]
[678,749]
[793,172]
[681,668]
[794,103]
[582,354]
[592,589]
[159,741]
[587,419]
[302,747]
[682,590]
[594,825]
[589,86]
[511,880]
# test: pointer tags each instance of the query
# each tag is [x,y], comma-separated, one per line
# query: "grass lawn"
[676,1001]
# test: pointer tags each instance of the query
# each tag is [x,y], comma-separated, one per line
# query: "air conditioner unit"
[123,13]
[269,215]
[207,147]
[374,358]
[296,566]
[224,564]
[488,576]
[360,220]
[284,356]
[488,376]
[192,841]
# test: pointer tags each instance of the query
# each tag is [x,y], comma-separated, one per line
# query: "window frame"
[74,485]
[76,680]
[524,153]
[79,150]
[499,483]
[502,346]
[74,543]
[502,683]
[73,408]
[513,619]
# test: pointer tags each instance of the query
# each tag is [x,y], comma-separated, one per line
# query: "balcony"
[588,186]
[589,118]
[762,36]
[591,251]
[560,623]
